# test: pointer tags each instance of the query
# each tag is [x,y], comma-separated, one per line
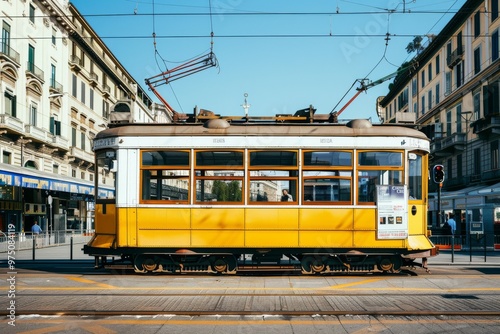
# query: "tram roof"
[221,127]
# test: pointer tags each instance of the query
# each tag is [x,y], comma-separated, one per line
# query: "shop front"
[56,204]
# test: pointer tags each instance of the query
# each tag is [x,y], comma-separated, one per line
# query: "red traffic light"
[438,174]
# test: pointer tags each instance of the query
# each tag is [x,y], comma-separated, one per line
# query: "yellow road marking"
[88,281]
[260,321]
[345,285]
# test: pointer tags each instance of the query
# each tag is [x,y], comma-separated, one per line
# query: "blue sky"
[284,62]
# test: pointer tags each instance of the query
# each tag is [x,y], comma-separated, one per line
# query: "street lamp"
[49,201]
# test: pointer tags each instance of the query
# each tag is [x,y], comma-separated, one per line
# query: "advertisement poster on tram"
[392,212]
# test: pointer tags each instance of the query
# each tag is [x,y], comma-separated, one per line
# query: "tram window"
[268,185]
[369,179]
[273,158]
[415,177]
[220,190]
[327,158]
[165,185]
[219,158]
[394,159]
[164,158]
[327,190]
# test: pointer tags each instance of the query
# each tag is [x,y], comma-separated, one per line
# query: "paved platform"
[66,252]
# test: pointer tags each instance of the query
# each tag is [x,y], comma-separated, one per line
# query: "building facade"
[450,90]
[59,82]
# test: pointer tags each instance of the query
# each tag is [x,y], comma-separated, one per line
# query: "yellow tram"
[210,196]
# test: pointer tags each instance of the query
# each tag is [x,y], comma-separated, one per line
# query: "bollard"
[34,246]
[71,248]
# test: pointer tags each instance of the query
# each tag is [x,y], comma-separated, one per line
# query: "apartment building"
[58,83]
[450,90]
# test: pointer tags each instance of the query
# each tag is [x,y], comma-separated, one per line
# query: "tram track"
[99,314]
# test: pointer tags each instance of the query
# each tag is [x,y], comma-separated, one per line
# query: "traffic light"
[438,174]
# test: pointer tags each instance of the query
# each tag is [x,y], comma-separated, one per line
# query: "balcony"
[32,132]
[9,54]
[449,145]
[75,63]
[455,57]
[60,143]
[487,127]
[94,79]
[55,87]
[34,72]
[82,155]
[106,90]
[11,123]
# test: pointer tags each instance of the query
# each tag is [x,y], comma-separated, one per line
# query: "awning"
[35,179]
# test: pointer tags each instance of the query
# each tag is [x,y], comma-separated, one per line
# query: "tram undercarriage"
[186,261]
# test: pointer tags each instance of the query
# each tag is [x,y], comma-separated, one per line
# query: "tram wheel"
[385,264]
[219,265]
[144,264]
[317,266]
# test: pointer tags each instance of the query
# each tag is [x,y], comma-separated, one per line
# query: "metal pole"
[34,246]
[71,248]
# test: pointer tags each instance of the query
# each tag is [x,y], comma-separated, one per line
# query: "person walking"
[452,223]
[36,230]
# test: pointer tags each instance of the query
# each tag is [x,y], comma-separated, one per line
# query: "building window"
[73,173]
[477,60]
[74,85]
[449,167]
[105,109]
[459,165]
[494,10]
[477,24]
[31,58]
[437,65]
[494,155]
[494,45]
[423,104]
[429,99]
[54,32]
[55,126]
[459,74]
[476,162]
[423,79]
[52,76]
[91,98]
[477,104]
[437,93]
[448,83]
[32,13]
[10,103]
[448,123]
[82,140]
[414,87]
[82,97]
[55,169]
[6,157]
[6,38]
[429,72]
[33,112]
[82,175]
[458,116]
[73,136]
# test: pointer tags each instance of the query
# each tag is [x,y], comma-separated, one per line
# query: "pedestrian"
[452,223]
[35,229]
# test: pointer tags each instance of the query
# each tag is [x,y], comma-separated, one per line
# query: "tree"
[415,45]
